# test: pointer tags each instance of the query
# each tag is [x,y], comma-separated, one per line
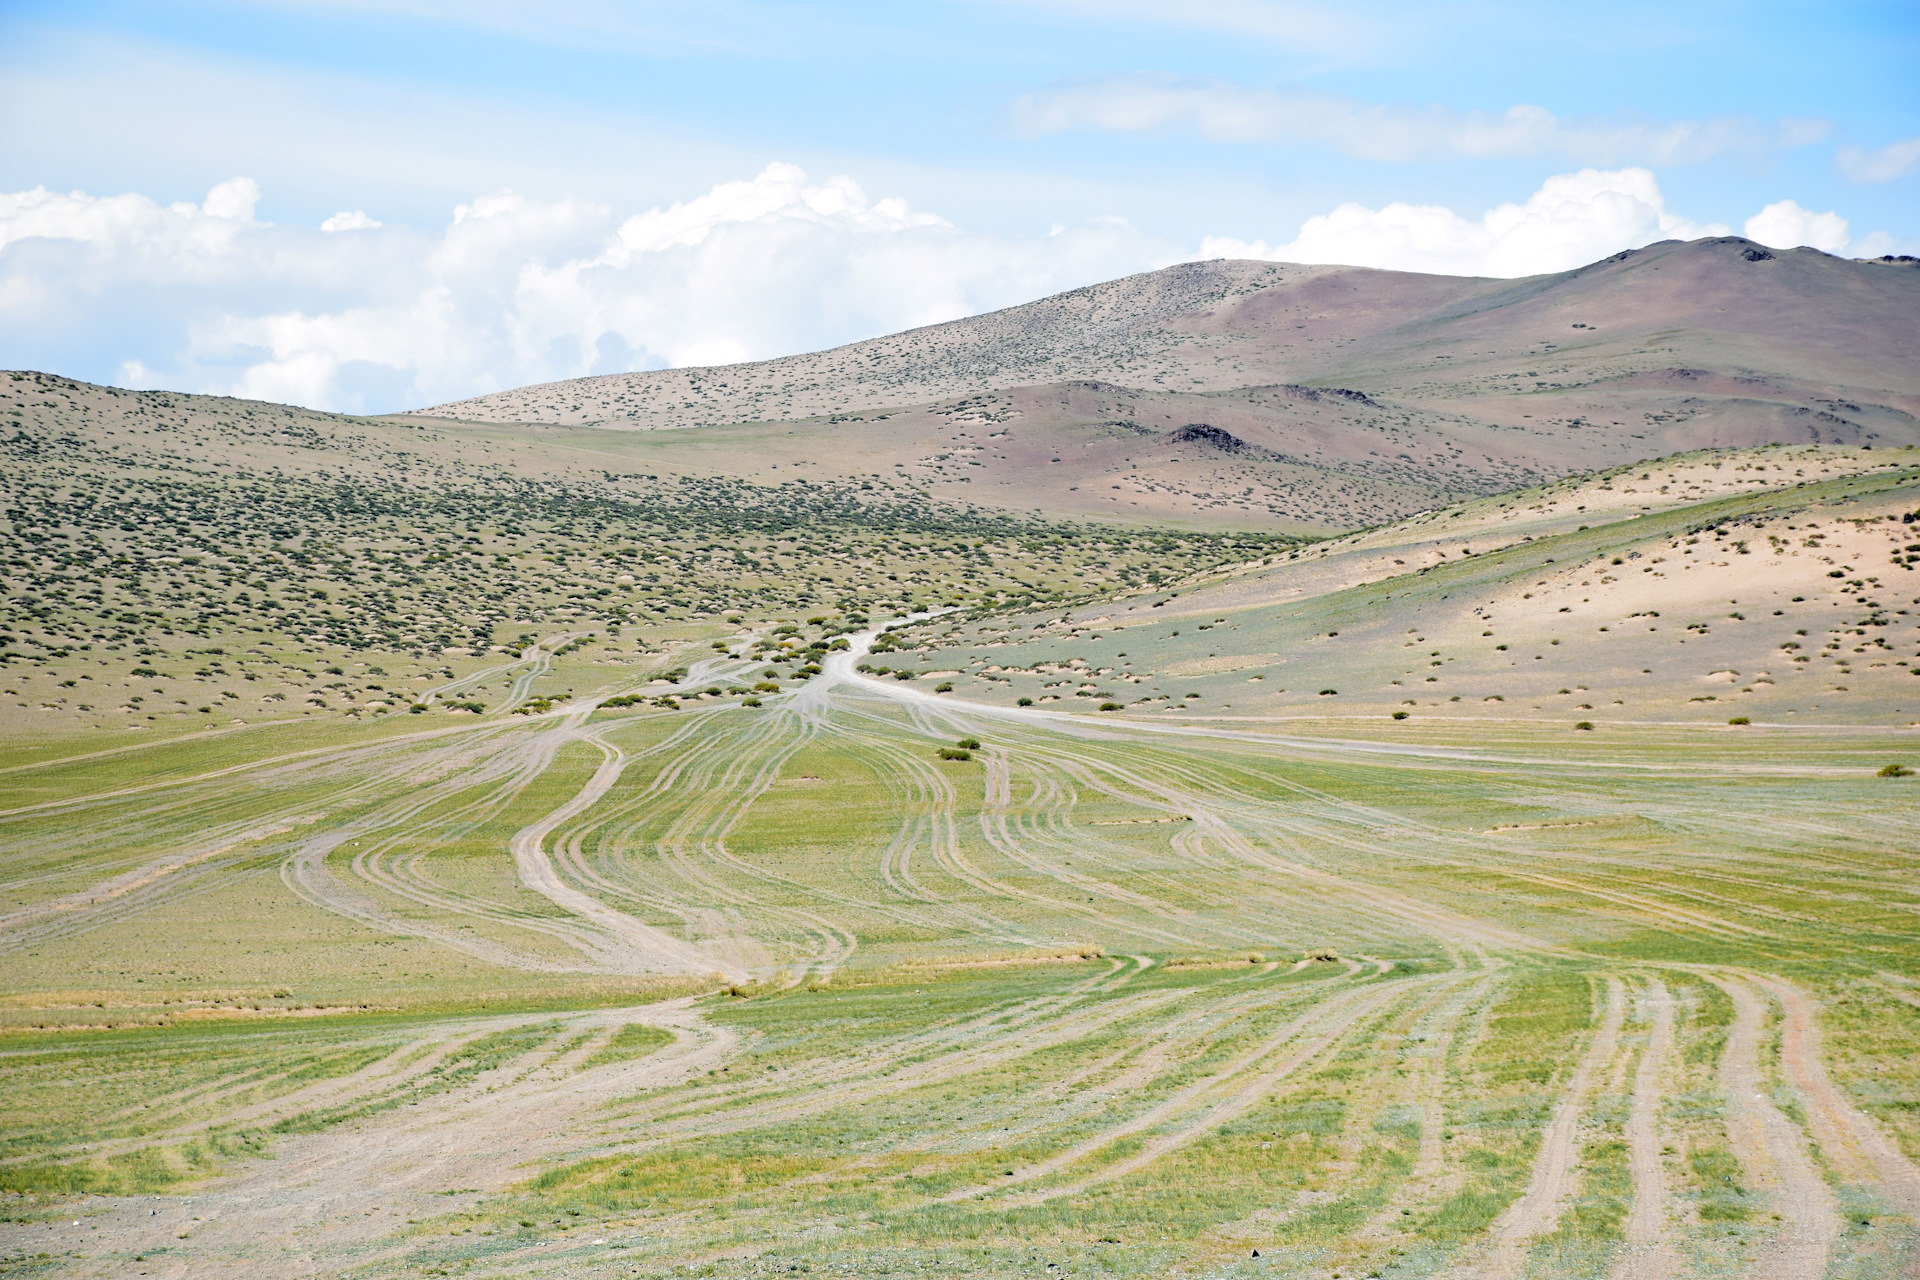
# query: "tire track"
[1859,1149]
[1556,1164]
[1649,1253]
[1771,1148]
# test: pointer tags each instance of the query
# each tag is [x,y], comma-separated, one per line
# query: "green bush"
[1740,720]
[1584,724]
[1399,715]
[1894,771]
[954,753]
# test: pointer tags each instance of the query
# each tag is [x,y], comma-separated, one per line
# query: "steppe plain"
[1416,789]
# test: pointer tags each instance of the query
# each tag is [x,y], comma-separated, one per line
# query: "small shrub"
[968,744]
[1110,706]
[1026,702]
[1328,693]
[1740,720]
[955,753]
[1584,724]
[945,686]
[1399,715]
[749,702]
[1894,771]
[766,686]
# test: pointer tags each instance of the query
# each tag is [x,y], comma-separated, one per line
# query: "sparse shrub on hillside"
[1399,715]
[1740,720]
[1894,771]
[955,753]
[1583,724]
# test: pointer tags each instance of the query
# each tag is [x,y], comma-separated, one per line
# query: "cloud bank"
[357,316]
[1223,111]
[1573,219]
[361,317]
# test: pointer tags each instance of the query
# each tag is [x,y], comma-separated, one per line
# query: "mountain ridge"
[1186,321]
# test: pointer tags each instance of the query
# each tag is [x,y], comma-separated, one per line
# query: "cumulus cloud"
[234,199]
[350,220]
[513,290]
[1896,160]
[1573,219]
[1227,112]
[1785,225]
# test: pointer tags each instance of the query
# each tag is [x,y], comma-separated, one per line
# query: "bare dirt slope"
[1275,394]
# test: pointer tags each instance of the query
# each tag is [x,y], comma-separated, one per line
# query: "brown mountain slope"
[1335,396]
[1800,320]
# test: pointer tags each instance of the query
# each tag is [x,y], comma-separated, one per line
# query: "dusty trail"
[1556,1165]
[641,947]
[1649,1252]
[1771,1148]
[1197,1105]
[1436,1028]
[341,1198]
[1859,1149]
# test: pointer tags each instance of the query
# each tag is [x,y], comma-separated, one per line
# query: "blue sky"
[1148,130]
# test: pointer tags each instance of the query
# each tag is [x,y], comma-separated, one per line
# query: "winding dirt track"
[1649,1252]
[342,1198]
[1555,1166]
[1771,1148]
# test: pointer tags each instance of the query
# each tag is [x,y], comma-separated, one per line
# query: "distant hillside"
[1773,584]
[1339,396]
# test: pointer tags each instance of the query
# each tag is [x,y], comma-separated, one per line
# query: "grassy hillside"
[188,562]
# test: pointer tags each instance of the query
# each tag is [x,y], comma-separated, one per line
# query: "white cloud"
[1573,219]
[1227,112]
[234,198]
[513,290]
[350,220]
[1785,225]
[1896,160]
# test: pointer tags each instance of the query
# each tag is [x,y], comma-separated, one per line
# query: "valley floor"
[734,990]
